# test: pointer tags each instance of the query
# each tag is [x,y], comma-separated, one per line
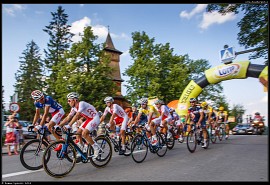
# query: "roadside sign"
[227,55]
[14,107]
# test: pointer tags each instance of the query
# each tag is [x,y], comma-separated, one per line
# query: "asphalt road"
[241,158]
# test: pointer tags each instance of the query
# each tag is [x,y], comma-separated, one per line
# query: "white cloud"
[215,18]
[101,31]
[77,27]
[198,9]
[13,9]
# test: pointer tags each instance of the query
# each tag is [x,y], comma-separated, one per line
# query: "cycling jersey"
[221,115]
[143,118]
[121,115]
[195,114]
[54,106]
[148,109]
[209,110]
[89,112]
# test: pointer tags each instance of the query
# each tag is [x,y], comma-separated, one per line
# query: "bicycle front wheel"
[105,152]
[162,145]
[128,141]
[139,149]
[61,162]
[191,141]
[31,154]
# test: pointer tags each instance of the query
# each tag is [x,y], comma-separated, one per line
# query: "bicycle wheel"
[213,135]
[59,163]
[31,154]
[139,149]
[105,152]
[191,141]
[162,145]
[170,142]
[221,134]
[128,141]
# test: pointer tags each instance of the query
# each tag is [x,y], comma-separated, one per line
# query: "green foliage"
[85,71]
[157,71]
[253,26]
[28,78]
[60,39]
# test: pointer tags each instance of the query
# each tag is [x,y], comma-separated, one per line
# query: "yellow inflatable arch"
[235,70]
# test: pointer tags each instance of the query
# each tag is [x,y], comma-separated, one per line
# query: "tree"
[28,78]
[60,39]
[253,26]
[238,111]
[157,71]
[86,72]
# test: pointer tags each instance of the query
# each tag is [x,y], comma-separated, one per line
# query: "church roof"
[109,45]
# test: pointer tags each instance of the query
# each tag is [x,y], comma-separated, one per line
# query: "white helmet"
[72,95]
[37,94]
[144,101]
[108,99]
[158,101]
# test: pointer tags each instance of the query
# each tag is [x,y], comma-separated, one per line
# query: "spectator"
[12,138]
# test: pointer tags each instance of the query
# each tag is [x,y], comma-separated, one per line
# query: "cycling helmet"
[192,100]
[144,101]
[37,94]
[158,101]
[221,108]
[257,113]
[72,95]
[108,99]
[134,105]
[204,104]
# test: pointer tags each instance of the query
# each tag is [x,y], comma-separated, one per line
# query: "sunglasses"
[70,101]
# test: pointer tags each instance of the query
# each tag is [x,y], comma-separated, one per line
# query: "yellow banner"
[227,72]
[192,90]
[264,78]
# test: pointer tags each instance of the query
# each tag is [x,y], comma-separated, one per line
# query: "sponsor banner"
[191,91]
[236,70]
[264,78]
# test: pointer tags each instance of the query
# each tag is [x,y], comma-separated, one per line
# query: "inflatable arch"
[236,70]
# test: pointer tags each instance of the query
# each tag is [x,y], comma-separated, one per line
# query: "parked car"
[25,125]
[244,128]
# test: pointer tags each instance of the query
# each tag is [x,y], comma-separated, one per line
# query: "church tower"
[116,75]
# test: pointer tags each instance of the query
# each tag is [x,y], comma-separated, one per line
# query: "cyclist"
[222,116]
[49,105]
[82,109]
[196,116]
[165,116]
[118,116]
[210,115]
[135,112]
[177,123]
[152,119]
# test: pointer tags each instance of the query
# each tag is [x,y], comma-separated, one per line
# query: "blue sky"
[187,27]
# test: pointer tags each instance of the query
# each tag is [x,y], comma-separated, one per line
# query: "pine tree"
[60,39]
[28,78]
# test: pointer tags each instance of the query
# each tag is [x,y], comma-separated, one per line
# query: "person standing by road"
[11,136]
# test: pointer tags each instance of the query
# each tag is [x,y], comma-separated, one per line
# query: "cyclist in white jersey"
[49,105]
[165,116]
[88,111]
[118,115]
